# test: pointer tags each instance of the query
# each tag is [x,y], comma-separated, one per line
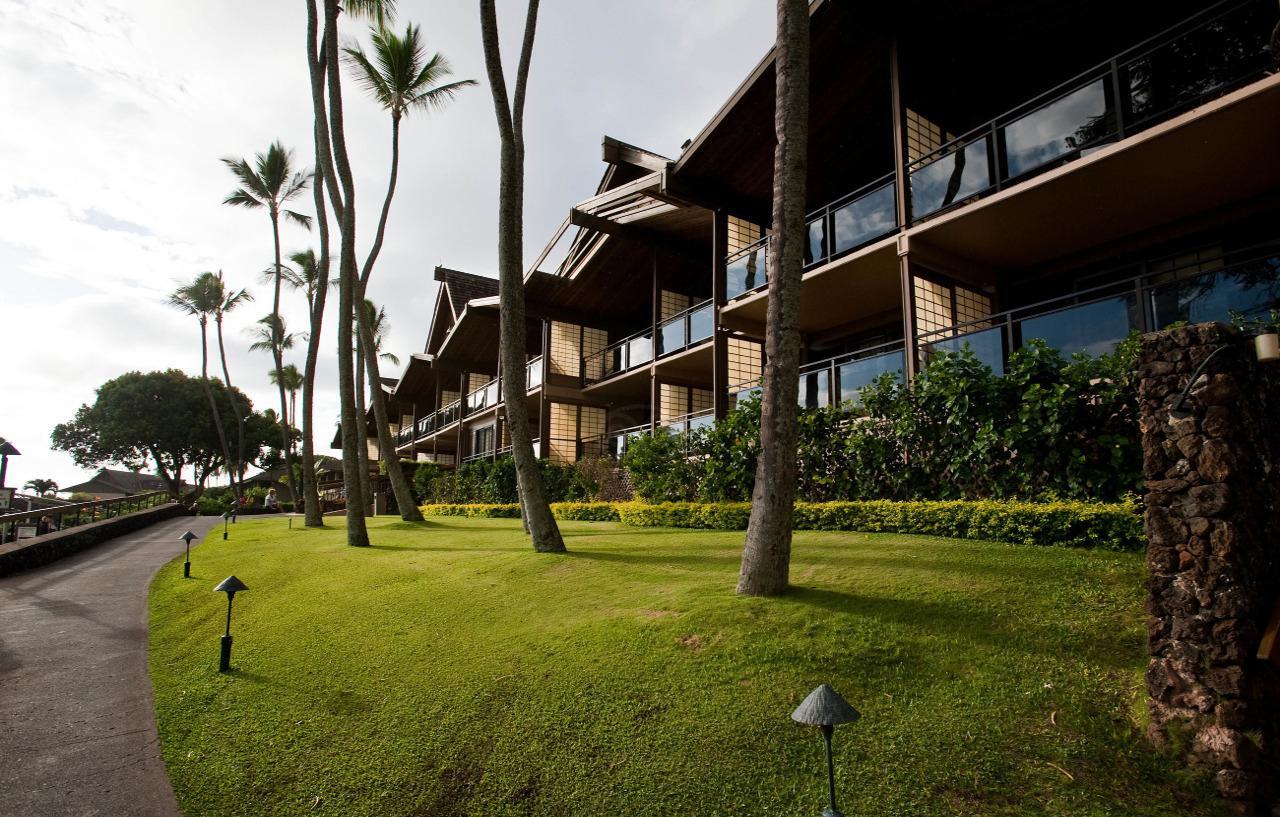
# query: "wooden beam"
[639,235]
[615,152]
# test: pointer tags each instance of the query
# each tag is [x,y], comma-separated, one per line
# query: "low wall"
[41,550]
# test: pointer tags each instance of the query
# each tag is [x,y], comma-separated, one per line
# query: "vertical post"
[224,659]
[719,337]
[1117,97]
[653,343]
[833,811]
[413,433]
[462,396]
[899,138]
[910,352]
[544,404]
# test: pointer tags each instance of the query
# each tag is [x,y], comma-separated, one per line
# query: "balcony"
[839,380]
[430,424]
[485,397]
[1206,56]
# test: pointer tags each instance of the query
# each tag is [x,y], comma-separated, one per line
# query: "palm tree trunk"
[323,170]
[513,354]
[400,487]
[352,433]
[766,558]
[362,411]
[208,390]
[238,474]
[278,354]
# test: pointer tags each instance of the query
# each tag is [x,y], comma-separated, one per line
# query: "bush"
[1047,429]
[215,505]
[1109,526]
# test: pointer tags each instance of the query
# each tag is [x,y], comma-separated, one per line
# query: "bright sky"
[117,111]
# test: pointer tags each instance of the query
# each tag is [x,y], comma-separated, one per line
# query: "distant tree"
[228,301]
[401,77]
[202,297]
[271,183]
[766,557]
[310,273]
[292,383]
[157,418]
[42,487]
[513,352]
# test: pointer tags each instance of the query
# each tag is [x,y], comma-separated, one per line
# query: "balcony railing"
[485,397]
[430,424]
[533,373]
[839,380]
[1206,55]
[621,356]
[685,329]
[613,444]
[693,421]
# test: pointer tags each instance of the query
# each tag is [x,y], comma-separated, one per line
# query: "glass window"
[746,272]
[1252,288]
[815,248]
[855,375]
[950,178]
[987,346]
[700,324]
[1077,120]
[1094,328]
[815,389]
[863,219]
[671,335]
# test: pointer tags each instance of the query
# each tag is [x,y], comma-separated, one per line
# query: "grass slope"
[452,671]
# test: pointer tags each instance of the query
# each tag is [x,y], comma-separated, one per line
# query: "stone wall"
[1212,519]
[41,550]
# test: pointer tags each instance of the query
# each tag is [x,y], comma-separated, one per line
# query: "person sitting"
[271,502]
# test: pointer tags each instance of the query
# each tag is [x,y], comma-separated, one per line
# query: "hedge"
[1110,526]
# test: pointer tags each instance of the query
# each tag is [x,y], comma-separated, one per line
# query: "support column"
[462,395]
[544,403]
[911,352]
[899,138]
[653,330]
[719,336]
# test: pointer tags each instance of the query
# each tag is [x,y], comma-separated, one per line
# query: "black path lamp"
[825,708]
[230,585]
[226,517]
[186,566]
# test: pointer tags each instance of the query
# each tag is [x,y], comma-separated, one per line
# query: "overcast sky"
[115,113]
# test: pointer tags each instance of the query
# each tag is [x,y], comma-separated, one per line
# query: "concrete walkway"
[77,727]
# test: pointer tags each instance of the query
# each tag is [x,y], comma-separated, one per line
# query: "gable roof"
[125,482]
[461,287]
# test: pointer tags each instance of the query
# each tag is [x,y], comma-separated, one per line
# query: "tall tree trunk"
[386,445]
[238,407]
[278,353]
[766,558]
[208,391]
[362,411]
[513,354]
[323,170]
[352,432]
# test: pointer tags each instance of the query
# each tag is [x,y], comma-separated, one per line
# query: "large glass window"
[815,389]
[1252,288]
[950,178]
[1070,123]
[1095,328]
[855,375]
[863,219]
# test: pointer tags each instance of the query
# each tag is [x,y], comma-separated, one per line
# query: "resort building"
[981,173]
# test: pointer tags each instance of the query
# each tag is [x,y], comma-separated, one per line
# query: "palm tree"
[401,78]
[42,487]
[201,298]
[311,275]
[766,556]
[229,300]
[513,353]
[271,334]
[292,383]
[380,326]
[271,183]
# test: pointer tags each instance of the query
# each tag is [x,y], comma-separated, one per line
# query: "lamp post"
[230,585]
[7,450]
[825,708]
[226,517]
[186,566]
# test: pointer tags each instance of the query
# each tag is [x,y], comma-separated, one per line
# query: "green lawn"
[450,670]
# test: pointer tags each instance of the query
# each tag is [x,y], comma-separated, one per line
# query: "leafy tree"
[157,418]
[513,354]
[42,487]
[271,183]
[766,557]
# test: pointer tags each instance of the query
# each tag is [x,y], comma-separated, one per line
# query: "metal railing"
[437,420]
[618,357]
[838,380]
[614,443]
[28,524]
[485,397]
[685,329]
[1206,55]
[533,373]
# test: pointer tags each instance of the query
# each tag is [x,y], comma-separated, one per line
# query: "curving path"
[77,727]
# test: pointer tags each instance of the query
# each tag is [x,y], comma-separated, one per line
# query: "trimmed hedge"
[1111,526]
